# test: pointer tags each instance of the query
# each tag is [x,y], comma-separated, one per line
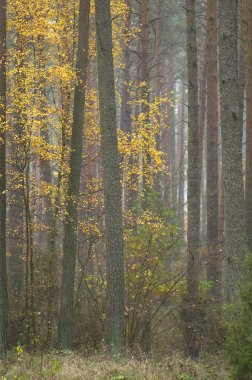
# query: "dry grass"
[72,366]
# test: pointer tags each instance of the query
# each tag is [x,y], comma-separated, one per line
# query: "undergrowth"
[52,365]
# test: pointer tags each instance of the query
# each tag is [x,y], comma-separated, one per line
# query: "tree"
[111,180]
[3,276]
[231,131]
[213,259]
[181,161]
[193,197]
[247,22]
[71,222]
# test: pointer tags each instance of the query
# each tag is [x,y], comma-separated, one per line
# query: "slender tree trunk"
[247,21]
[202,134]
[146,338]
[221,223]
[231,129]
[115,338]
[71,222]
[159,89]
[213,266]
[15,216]
[192,309]
[3,276]
[181,165]
[172,133]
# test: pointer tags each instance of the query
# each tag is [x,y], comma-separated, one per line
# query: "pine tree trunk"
[231,129]
[192,307]
[3,276]
[213,254]
[71,222]
[172,134]
[247,21]
[15,211]
[181,164]
[146,339]
[115,338]
[202,134]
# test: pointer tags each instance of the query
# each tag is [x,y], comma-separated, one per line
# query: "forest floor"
[72,366]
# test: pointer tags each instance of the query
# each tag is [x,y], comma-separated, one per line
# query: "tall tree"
[231,129]
[71,222]
[181,161]
[213,262]
[247,25]
[202,133]
[115,338]
[193,197]
[3,276]
[146,338]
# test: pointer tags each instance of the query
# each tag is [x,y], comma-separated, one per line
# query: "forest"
[126,189]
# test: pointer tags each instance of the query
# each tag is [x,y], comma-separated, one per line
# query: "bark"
[213,254]
[172,134]
[15,216]
[231,129]
[193,197]
[181,164]
[115,338]
[247,21]
[221,223]
[3,276]
[202,133]
[159,90]
[241,40]
[71,222]
[146,339]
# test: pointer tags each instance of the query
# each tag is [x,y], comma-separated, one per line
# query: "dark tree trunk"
[247,21]
[71,222]
[146,339]
[192,307]
[115,338]
[202,135]
[213,254]
[231,129]
[3,276]
[181,163]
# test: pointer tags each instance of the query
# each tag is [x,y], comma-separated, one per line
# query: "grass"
[72,366]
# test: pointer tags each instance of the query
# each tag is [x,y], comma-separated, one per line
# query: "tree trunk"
[172,133]
[3,276]
[71,222]
[231,129]
[213,259]
[146,338]
[247,19]
[115,338]
[181,164]
[15,214]
[202,133]
[192,309]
